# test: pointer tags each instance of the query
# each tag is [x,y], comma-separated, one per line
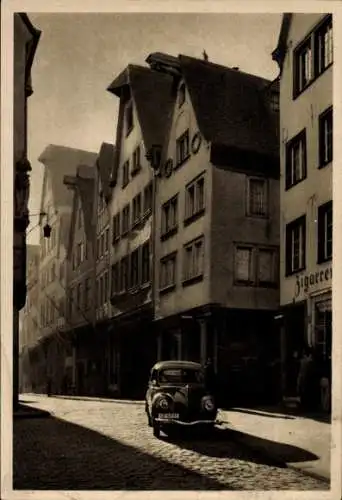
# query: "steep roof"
[60,161]
[151,91]
[82,188]
[279,52]
[231,106]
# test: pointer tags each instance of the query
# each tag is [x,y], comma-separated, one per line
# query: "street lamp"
[46,228]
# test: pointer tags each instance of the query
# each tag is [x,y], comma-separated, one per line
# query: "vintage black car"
[177,396]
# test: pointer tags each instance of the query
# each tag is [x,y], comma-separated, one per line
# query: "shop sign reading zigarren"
[305,282]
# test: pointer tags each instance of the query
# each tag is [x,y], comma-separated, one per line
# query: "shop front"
[307,328]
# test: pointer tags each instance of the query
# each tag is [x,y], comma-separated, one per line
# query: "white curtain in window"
[243,264]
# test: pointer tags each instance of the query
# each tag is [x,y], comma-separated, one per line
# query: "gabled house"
[80,267]
[145,99]
[304,54]
[56,211]
[217,222]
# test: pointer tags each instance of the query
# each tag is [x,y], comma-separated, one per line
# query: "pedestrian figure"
[304,378]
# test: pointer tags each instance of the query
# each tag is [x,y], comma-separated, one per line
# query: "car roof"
[161,365]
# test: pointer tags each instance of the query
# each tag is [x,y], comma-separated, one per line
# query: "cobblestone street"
[108,445]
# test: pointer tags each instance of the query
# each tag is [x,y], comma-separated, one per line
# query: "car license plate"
[168,415]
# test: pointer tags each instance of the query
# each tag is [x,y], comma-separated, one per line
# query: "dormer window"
[181,95]
[129,117]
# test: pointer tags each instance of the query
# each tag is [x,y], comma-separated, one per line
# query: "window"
[296,160]
[53,271]
[148,197]
[295,245]
[194,198]
[98,250]
[136,161]
[106,239]
[116,228]
[244,265]
[136,209]
[256,266]
[129,117]
[324,46]
[145,263]
[325,232]
[193,259]
[101,291]
[101,202]
[134,268]
[313,56]
[105,287]
[86,249]
[182,148]
[168,271]
[115,279]
[181,95]
[78,296]
[101,244]
[267,267]
[87,294]
[257,201]
[169,217]
[304,66]
[124,273]
[125,174]
[125,220]
[325,137]
[79,217]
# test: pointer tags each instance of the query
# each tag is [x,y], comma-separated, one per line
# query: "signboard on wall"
[320,278]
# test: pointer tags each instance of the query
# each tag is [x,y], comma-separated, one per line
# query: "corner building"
[305,57]
[217,224]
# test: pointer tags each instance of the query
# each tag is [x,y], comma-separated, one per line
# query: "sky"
[80,54]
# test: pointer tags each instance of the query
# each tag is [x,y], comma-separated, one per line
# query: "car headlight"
[163,403]
[208,403]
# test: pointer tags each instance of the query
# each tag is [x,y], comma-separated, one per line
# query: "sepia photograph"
[167,250]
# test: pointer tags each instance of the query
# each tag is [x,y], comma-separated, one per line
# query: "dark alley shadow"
[53,454]
[262,413]
[258,450]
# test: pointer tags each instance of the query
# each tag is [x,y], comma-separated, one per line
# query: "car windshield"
[181,376]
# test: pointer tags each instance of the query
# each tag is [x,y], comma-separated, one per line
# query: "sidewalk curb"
[90,398]
[238,436]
